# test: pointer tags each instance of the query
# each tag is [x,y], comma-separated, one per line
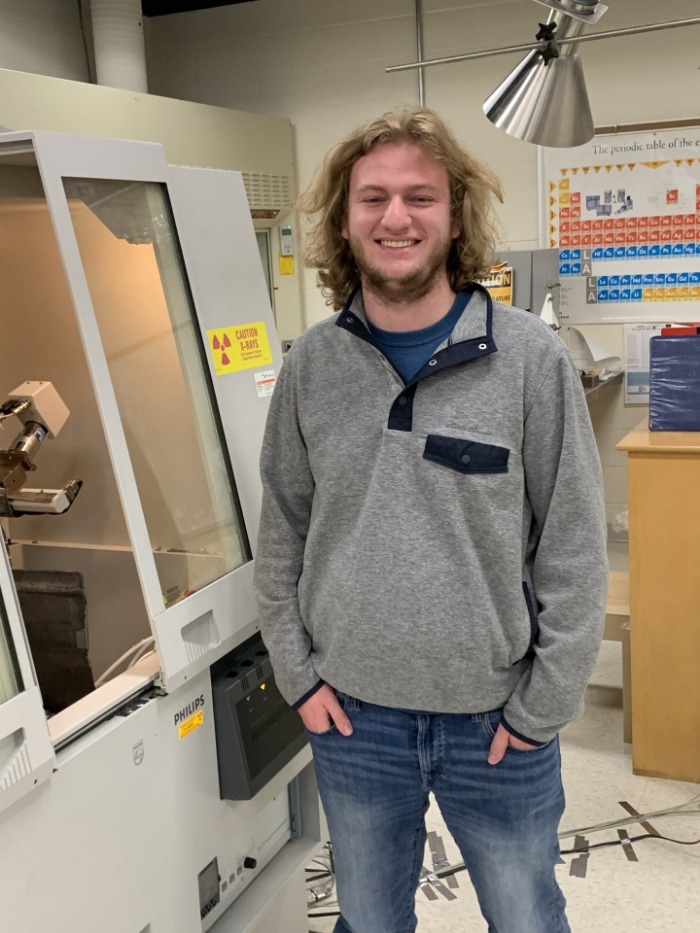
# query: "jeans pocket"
[530,751]
[349,704]
[320,735]
[491,722]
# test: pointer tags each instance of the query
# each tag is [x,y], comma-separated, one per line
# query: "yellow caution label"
[286,265]
[239,347]
[190,724]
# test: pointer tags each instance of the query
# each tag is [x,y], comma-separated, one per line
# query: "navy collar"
[471,338]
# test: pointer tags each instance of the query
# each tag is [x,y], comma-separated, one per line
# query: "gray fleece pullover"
[437,546]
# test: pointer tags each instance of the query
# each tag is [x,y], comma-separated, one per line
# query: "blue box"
[674,383]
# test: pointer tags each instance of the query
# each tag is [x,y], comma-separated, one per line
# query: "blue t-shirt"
[409,351]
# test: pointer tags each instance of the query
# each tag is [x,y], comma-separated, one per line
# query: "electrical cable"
[452,870]
[320,882]
[145,649]
[690,806]
[627,841]
[83,32]
[104,677]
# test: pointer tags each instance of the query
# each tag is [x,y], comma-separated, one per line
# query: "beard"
[411,285]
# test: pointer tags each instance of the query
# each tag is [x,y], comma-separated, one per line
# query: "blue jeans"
[374,786]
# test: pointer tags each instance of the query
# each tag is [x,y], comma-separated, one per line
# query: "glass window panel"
[77,586]
[142,302]
[9,671]
[20,184]
[41,341]
[263,240]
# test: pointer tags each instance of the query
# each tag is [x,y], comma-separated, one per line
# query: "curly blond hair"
[472,188]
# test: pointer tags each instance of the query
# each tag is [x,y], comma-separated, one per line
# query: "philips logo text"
[189,710]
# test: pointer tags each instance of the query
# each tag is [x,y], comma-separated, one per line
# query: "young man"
[432,566]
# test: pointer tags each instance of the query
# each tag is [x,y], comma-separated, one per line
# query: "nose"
[396,216]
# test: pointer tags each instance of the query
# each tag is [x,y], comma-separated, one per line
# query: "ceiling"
[165,7]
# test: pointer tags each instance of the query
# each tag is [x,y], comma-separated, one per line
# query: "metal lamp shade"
[544,103]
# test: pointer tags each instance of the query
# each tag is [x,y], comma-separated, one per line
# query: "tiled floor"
[658,892]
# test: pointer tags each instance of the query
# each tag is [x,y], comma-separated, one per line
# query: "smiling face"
[399,225]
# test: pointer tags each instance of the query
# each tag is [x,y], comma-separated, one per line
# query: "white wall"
[43,37]
[321,64]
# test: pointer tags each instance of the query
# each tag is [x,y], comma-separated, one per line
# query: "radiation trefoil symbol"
[222,345]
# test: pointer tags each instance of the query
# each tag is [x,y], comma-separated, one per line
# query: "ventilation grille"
[194,651]
[17,768]
[267,192]
[200,636]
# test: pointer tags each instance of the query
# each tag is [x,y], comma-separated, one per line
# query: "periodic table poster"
[624,213]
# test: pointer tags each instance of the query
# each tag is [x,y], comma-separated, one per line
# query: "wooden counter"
[664,533]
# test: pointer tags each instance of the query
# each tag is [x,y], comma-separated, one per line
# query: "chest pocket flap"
[466,456]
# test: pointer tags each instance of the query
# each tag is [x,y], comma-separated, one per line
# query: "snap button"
[432,363]
[465,458]
[350,319]
[482,346]
[403,400]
